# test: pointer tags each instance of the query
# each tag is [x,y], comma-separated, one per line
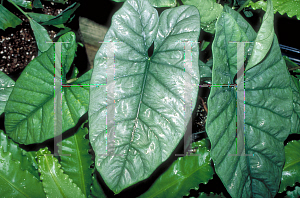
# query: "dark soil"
[18,45]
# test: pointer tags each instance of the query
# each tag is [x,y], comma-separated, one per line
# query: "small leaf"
[77,165]
[291,169]
[6,87]
[23,3]
[184,174]
[205,44]
[204,70]
[56,184]
[37,4]
[64,16]
[43,18]
[264,38]
[41,35]
[8,19]
[15,182]
[209,12]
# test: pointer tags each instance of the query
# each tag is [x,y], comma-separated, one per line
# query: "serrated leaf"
[30,119]
[8,19]
[77,165]
[209,12]
[184,174]
[291,7]
[212,195]
[291,169]
[26,159]
[96,190]
[264,38]
[56,184]
[293,194]
[64,16]
[6,87]
[268,109]
[41,35]
[148,90]
[15,182]
[295,119]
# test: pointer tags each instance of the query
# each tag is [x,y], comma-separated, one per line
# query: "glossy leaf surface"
[23,3]
[30,119]
[291,169]
[264,38]
[184,174]
[268,109]
[158,3]
[41,36]
[26,159]
[55,182]
[149,92]
[8,19]
[77,166]
[6,87]
[15,182]
[209,12]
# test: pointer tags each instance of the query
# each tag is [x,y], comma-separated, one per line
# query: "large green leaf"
[268,109]
[8,19]
[26,159]
[29,113]
[184,174]
[149,92]
[264,38]
[295,119]
[77,166]
[56,183]
[15,182]
[290,7]
[209,12]
[291,169]
[6,87]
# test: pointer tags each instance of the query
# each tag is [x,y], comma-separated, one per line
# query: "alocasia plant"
[150,111]
[149,90]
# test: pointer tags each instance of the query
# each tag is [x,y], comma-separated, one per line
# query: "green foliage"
[290,7]
[268,110]
[141,144]
[56,184]
[209,12]
[291,169]
[150,113]
[185,173]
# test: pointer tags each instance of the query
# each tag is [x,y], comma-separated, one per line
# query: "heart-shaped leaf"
[149,92]
[268,109]
[29,113]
